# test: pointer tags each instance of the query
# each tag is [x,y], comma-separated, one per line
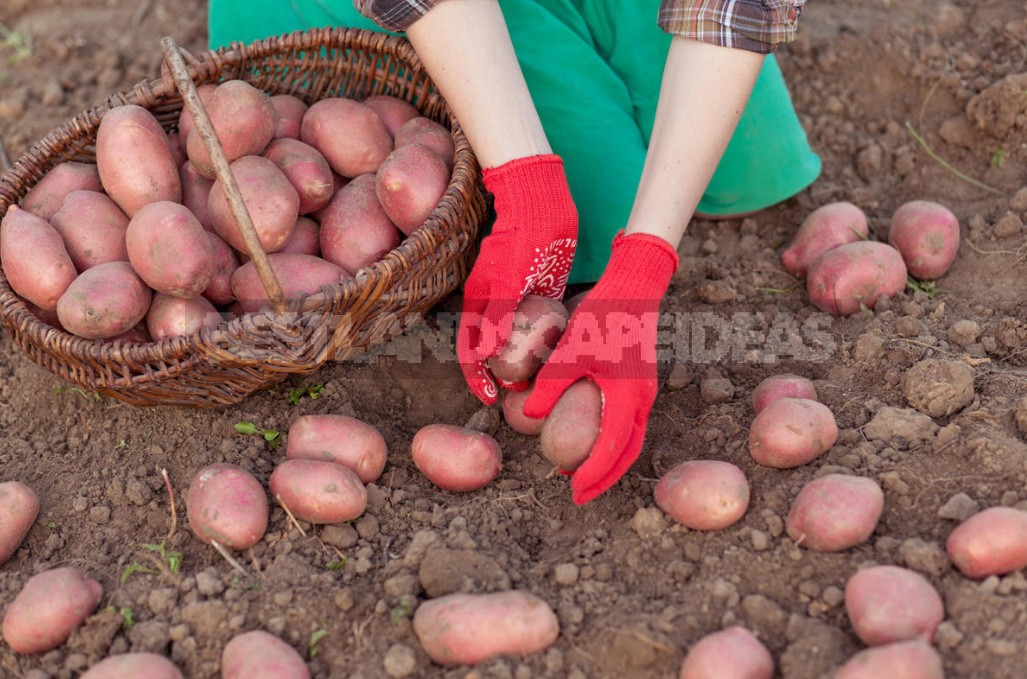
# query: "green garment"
[594,69]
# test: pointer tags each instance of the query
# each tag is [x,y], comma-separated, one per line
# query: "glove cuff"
[640,267]
[533,189]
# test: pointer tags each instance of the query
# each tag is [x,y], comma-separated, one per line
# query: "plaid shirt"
[754,25]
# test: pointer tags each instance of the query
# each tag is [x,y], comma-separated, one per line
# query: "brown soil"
[645,590]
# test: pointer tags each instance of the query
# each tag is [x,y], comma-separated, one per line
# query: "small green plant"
[272,436]
[127,618]
[930,288]
[315,638]
[17,43]
[313,392]
[120,444]
[403,610]
[998,159]
[173,560]
[88,395]
[134,567]
[336,565]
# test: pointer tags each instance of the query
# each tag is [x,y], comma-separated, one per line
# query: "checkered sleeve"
[754,25]
[394,15]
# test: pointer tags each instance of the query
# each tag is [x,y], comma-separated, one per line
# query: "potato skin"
[105,301]
[170,250]
[289,111]
[93,229]
[824,229]
[901,660]
[887,604]
[835,512]
[185,118]
[927,235]
[49,608]
[299,276]
[854,275]
[270,198]
[538,324]
[349,134]
[791,432]
[465,629]
[34,258]
[46,197]
[703,494]
[513,413]
[355,231]
[991,542]
[455,458]
[732,653]
[226,504]
[340,439]
[196,193]
[243,119]
[572,426]
[319,491]
[426,131]
[392,110]
[305,239]
[171,316]
[409,184]
[785,385]
[219,290]
[306,169]
[19,507]
[132,665]
[134,161]
[260,655]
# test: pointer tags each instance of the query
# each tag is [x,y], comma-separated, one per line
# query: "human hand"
[529,251]
[611,340]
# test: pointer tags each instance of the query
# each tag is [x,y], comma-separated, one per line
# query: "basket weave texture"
[223,365]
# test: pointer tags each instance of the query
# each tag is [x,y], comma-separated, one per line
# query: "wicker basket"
[223,365]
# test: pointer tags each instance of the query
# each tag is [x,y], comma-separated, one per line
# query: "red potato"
[703,494]
[337,184]
[319,491]
[305,239]
[455,458]
[48,609]
[19,507]
[176,317]
[927,236]
[785,385]
[134,160]
[133,666]
[137,334]
[572,426]
[175,146]
[426,131]
[196,193]
[732,653]
[339,439]
[392,110]
[93,229]
[824,229]
[902,660]
[225,504]
[219,290]
[465,629]
[991,542]
[409,184]
[887,604]
[350,135]
[243,119]
[185,118]
[46,197]
[170,250]
[299,275]
[355,231]
[791,432]
[306,169]
[538,324]
[34,258]
[513,413]
[856,275]
[270,198]
[835,512]
[290,111]
[260,655]
[104,301]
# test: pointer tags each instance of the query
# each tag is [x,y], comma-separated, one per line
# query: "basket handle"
[202,124]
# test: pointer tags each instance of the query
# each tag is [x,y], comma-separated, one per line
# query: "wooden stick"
[5,160]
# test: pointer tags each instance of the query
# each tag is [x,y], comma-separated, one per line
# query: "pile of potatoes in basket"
[142,245]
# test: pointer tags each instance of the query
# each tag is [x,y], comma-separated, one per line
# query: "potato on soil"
[785,385]
[306,169]
[850,277]
[290,111]
[991,542]
[791,432]
[341,439]
[835,512]
[104,301]
[19,507]
[219,290]
[243,119]
[410,183]
[170,250]
[703,494]
[196,193]
[456,458]
[185,118]
[426,131]
[824,229]
[902,660]
[348,133]
[538,324]
[355,231]
[270,198]
[305,239]
[319,491]
[133,666]
[392,110]
[34,258]
[260,655]
[299,275]
[732,653]
[93,229]
[887,604]
[134,161]
[171,316]
[465,629]
[46,197]
[513,413]
[927,235]
[227,505]
[572,426]
[49,608]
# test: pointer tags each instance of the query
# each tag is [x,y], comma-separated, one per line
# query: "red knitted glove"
[611,339]
[529,251]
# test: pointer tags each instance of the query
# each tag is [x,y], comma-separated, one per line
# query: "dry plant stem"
[938,159]
[278,499]
[171,498]
[202,125]
[5,160]
[229,558]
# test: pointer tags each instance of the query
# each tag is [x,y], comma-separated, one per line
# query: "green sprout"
[127,618]
[313,392]
[173,560]
[316,637]
[134,567]
[403,610]
[272,436]
[88,395]
[20,44]
[336,565]
[929,288]
[998,159]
